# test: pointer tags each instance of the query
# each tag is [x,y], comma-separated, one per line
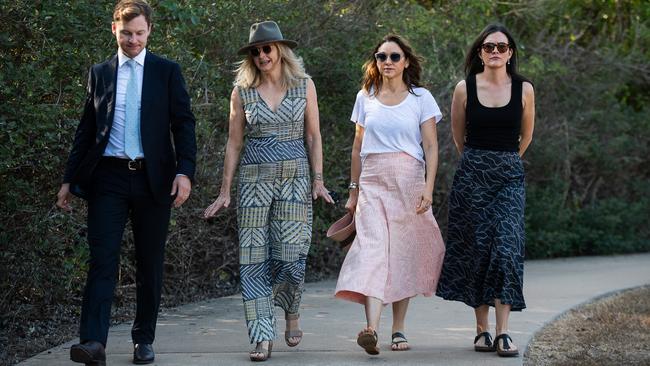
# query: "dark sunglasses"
[502,47]
[256,51]
[382,57]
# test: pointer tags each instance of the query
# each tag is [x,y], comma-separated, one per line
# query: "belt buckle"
[133,165]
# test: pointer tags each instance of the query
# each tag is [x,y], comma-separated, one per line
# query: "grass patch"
[614,330]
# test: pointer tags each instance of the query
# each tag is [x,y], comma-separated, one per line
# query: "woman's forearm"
[315,147]
[431,155]
[355,165]
[231,160]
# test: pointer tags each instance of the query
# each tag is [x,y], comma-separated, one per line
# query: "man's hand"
[181,188]
[63,197]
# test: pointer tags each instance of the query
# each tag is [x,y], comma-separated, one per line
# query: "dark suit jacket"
[165,114]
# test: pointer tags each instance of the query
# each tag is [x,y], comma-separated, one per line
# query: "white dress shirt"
[115,145]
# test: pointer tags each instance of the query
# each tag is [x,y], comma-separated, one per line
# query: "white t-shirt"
[394,128]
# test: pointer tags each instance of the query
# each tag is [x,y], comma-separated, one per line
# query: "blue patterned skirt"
[484,260]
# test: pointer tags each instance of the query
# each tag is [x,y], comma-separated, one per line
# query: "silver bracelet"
[353,185]
[318,176]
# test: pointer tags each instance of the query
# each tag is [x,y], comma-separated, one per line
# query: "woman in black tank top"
[492,112]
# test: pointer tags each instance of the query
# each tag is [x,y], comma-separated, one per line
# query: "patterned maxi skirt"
[485,240]
[397,254]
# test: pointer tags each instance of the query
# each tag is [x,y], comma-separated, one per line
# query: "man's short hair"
[127,10]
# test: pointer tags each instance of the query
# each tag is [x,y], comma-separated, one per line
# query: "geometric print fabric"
[274,210]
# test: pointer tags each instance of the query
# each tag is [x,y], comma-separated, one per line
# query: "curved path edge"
[440,332]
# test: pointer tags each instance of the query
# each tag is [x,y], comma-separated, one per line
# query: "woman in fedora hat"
[398,249]
[274,103]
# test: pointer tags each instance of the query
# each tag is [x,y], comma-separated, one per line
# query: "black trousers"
[117,194]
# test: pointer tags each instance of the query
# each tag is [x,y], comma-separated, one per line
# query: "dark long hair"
[473,63]
[372,79]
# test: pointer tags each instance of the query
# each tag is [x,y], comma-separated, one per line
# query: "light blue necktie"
[132,146]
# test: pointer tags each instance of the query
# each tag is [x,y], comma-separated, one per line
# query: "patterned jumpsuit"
[274,209]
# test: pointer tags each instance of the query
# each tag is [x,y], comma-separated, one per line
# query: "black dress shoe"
[90,353]
[143,353]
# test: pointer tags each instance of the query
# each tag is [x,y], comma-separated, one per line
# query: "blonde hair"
[127,10]
[247,75]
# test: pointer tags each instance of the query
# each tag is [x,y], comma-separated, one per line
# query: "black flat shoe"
[505,350]
[143,354]
[91,353]
[487,345]
[368,341]
[397,339]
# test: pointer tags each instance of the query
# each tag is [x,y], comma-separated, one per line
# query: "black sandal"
[505,351]
[368,341]
[488,346]
[398,338]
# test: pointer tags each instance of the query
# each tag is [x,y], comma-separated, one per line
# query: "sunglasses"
[256,51]
[382,57]
[502,47]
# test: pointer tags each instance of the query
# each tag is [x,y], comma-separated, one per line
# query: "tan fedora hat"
[343,230]
[265,32]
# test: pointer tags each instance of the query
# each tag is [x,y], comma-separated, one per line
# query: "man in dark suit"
[123,161]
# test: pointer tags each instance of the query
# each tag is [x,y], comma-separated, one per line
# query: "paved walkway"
[440,332]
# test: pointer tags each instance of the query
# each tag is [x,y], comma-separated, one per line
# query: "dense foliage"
[587,169]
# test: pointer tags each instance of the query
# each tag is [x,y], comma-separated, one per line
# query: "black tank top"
[493,128]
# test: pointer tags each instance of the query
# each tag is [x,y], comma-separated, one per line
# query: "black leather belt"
[137,164]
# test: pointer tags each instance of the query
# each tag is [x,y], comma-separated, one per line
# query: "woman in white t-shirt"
[398,250]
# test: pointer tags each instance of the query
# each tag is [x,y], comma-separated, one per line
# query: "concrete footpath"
[440,332]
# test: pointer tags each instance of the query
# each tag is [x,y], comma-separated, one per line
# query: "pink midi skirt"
[397,253]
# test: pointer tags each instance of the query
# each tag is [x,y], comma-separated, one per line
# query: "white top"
[394,128]
[115,145]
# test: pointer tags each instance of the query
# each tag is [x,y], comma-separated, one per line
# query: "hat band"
[264,41]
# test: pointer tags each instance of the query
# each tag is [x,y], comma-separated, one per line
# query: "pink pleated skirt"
[397,253]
